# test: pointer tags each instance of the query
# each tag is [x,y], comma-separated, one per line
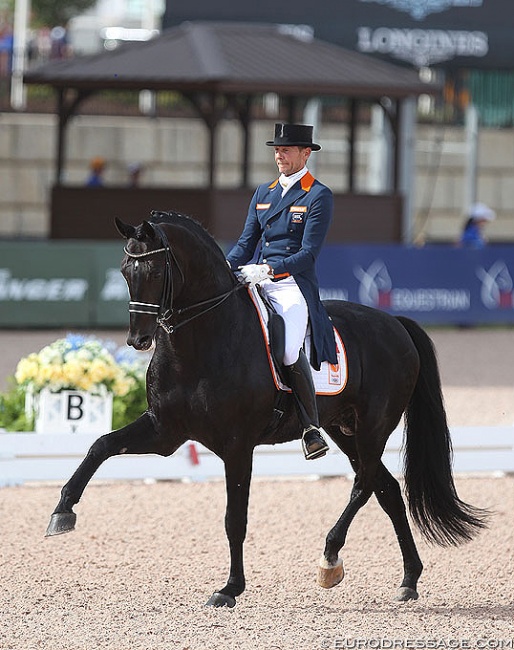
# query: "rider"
[290,218]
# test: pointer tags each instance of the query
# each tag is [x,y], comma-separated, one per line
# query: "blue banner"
[69,284]
[433,285]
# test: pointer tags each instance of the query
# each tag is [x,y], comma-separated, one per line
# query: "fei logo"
[497,285]
[375,285]
[420,9]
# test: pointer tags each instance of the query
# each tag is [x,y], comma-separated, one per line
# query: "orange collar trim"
[306,181]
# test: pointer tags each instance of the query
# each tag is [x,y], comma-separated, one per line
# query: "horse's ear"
[149,230]
[125,229]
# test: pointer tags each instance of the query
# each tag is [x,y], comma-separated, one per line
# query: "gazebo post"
[351,144]
[65,112]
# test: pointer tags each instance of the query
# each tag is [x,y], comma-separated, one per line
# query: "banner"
[62,284]
[433,285]
[446,33]
[59,284]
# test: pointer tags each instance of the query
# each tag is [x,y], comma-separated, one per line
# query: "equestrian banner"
[447,33]
[433,285]
[60,284]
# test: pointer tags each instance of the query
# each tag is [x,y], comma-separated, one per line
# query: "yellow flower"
[27,369]
[123,385]
[73,372]
[100,371]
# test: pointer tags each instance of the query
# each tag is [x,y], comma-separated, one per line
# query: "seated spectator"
[96,171]
[134,171]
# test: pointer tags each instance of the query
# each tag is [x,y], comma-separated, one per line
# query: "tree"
[49,13]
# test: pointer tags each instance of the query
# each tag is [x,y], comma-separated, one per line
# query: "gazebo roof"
[232,58]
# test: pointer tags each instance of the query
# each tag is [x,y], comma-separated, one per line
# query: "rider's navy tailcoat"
[289,233]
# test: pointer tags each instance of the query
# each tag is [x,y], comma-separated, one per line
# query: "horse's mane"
[192,226]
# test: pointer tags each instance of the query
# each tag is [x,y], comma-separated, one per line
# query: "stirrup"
[313,443]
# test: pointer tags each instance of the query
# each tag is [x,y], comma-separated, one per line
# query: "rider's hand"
[254,273]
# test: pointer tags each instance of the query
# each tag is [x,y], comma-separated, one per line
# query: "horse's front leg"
[139,437]
[238,474]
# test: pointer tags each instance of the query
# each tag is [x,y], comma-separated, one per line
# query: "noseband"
[165,311]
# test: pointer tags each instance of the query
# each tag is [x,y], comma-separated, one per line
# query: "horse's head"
[159,255]
[149,268]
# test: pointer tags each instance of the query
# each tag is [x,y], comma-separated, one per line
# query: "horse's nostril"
[145,342]
[139,342]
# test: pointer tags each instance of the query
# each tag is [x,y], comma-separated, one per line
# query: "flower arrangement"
[81,363]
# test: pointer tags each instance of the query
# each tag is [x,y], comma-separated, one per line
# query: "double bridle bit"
[164,313]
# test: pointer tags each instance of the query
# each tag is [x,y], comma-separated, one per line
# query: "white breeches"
[288,301]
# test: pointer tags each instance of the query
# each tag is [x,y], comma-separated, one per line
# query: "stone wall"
[174,154]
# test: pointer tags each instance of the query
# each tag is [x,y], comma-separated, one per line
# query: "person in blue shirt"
[473,232]
[287,222]
[96,172]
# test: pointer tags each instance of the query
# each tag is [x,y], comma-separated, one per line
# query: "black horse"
[209,380]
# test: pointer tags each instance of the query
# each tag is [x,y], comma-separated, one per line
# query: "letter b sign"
[75,410]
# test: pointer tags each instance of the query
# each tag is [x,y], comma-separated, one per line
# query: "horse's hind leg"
[389,496]
[139,437]
[331,567]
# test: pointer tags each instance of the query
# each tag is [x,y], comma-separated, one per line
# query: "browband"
[136,255]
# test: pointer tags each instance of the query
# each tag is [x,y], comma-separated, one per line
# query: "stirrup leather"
[316,447]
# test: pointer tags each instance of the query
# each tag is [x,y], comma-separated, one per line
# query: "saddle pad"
[330,379]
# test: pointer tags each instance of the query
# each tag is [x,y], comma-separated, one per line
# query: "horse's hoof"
[220,600]
[406,593]
[61,522]
[330,575]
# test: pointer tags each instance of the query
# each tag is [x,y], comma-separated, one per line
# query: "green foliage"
[49,13]
[12,409]
[127,409]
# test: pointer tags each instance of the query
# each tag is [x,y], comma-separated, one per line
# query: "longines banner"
[447,33]
[59,284]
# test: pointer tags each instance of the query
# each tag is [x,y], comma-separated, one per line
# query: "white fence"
[28,457]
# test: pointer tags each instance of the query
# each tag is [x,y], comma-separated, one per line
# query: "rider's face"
[291,159]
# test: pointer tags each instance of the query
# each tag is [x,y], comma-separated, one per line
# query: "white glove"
[255,273]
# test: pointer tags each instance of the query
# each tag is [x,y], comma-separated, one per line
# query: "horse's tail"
[433,502]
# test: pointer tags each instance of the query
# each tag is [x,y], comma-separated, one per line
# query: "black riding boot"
[300,381]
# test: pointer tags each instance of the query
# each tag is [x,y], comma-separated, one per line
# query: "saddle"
[329,380]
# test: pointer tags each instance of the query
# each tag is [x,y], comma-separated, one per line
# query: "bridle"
[165,310]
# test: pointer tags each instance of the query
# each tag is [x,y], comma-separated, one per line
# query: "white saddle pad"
[330,379]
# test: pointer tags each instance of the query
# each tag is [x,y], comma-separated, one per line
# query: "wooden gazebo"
[221,67]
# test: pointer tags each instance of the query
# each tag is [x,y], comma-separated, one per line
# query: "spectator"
[134,170]
[473,231]
[96,169]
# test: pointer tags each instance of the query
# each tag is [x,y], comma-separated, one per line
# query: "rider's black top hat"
[293,135]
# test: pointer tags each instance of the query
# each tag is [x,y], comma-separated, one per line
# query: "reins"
[165,311]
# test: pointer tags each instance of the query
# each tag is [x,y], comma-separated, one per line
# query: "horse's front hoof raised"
[330,575]
[220,600]
[61,522]
[406,593]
